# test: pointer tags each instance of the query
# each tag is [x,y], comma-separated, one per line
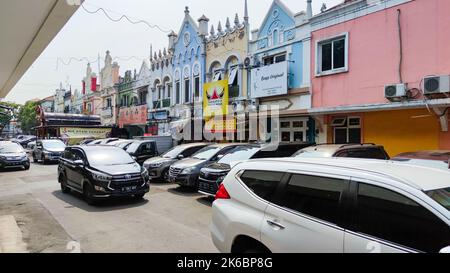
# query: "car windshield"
[174,152]
[133,147]
[240,153]
[207,152]
[53,144]
[442,196]
[108,157]
[310,154]
[10,148]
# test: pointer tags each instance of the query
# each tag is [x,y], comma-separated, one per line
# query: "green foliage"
[6,115]
[27,116]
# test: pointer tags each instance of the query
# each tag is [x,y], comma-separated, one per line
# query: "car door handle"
[275,224]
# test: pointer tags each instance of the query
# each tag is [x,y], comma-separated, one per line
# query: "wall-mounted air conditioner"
[436,85]
[395,91]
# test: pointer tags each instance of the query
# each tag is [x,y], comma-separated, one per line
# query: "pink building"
[362,46]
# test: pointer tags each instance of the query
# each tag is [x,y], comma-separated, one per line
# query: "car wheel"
[88,195]
[139,196]
[43,160]
[26,167]
[63,183]
[35,160]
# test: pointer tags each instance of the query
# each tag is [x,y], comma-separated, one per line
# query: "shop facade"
[280,75]
[370,98]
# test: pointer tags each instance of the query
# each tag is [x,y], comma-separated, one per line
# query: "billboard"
[270,80]
[135,115]
[215,99]
[72,135]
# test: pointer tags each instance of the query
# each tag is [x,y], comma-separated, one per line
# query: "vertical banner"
[215,99]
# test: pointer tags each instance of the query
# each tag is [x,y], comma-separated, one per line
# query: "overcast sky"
[89,35]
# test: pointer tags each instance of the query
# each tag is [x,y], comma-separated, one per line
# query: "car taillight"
[222,193]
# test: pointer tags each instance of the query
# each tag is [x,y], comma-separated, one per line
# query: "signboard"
[136,115]
[215,99]
[271,80]
[221,126]
[73,135]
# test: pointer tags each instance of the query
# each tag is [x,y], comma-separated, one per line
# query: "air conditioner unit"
[395,91]
[436,85]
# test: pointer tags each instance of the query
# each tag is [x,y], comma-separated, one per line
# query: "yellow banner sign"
[84,133]
[215,99]
[221,126]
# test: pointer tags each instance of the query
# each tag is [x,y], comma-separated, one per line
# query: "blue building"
[280,69]
[187,48]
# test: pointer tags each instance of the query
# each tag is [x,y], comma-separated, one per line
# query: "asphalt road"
[168,220]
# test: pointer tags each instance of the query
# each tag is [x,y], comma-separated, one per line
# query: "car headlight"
[188,170]
[101,177]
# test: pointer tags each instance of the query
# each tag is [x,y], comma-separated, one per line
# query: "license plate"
[128,189]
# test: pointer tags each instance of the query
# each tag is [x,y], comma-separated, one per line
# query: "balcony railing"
[161,104]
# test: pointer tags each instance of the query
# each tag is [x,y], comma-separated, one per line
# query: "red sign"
[136,115]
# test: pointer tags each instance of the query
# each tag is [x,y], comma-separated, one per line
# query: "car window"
[147,148]
[262,183]
[393,217]
[370,153]
[206,153]
[315,196]
[239,153]
[223,152]
[68,154]
[190,151]
[442,196]
[77,155]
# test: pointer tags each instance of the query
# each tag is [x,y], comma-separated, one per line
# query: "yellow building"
[226,51]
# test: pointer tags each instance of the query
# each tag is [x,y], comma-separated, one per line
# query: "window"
[316,196]
[187,82]
[274,59]
[169,91]
[217,76]
[262,183]
[108,103]
[233,82]
[293,129]
[332,55]
[177,92]
[393,217]
[373,153]
[347,130]
[197,87]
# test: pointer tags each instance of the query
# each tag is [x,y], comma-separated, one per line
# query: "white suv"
[332,205]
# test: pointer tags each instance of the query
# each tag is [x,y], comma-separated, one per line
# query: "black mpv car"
[100,172]
[212,175]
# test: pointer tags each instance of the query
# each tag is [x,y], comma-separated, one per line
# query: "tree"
[27,116]
[6,114]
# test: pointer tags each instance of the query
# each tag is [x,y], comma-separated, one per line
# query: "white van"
[332,206]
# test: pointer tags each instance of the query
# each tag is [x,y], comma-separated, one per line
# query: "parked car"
[86,141]
[186,171]
[12,155]
[434,159]
[123,144]
[48,150]
[158,167]
[332,205]
[100,172]
[24,140]
[142,150]
[344,150]
[212,175]
[30,146]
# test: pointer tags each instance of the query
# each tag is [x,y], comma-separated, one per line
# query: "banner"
[135,115]
[73,135]
[221,126]
[270,80]
[215,99]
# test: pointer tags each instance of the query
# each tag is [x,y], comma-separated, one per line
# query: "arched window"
[233,75]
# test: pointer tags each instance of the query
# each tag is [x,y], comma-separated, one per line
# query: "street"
[168,220]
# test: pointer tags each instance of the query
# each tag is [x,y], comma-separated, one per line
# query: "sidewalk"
[11,236]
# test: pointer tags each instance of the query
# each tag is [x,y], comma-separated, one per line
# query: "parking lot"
[169,219]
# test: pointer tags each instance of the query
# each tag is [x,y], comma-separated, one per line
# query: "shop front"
[134,120]
[398,131]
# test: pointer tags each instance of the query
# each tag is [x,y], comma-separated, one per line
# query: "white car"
[332,205]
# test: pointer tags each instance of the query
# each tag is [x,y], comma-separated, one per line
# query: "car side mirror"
[79,163]
[445,250]
[181,157]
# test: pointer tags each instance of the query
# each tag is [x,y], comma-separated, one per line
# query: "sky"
[88,36]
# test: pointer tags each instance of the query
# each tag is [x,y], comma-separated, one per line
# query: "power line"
[125,17]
